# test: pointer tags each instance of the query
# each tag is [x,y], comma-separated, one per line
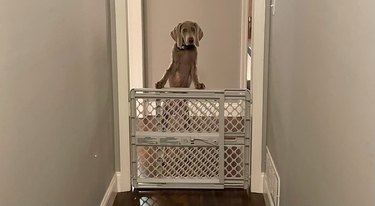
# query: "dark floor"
[227,197]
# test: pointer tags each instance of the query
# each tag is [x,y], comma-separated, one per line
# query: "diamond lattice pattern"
[177,115]
[233,161]
[234,116]
[178,162]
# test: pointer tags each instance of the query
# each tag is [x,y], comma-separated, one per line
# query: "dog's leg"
[197,84]
[160,84]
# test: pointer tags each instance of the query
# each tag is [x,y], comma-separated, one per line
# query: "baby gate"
[184,138]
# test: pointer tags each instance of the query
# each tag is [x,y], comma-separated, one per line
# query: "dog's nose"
[191,40]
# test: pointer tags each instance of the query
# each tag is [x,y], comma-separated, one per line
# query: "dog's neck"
[187,47]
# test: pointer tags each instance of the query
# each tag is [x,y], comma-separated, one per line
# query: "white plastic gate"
[190,138]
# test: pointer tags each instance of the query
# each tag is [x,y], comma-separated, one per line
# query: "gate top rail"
[189,92]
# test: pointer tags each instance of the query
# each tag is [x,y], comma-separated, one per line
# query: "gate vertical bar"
[221,140]
[132,140]
[159,127]
[248,131]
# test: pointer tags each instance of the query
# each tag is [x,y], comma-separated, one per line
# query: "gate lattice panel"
[190,138]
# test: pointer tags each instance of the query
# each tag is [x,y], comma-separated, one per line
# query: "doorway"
[129,33]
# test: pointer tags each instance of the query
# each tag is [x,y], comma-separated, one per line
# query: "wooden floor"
[227,197]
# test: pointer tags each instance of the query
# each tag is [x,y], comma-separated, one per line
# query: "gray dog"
[183,69]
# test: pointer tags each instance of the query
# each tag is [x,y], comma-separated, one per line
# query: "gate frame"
[222,96]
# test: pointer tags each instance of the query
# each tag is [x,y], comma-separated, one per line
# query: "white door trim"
[121,93]
[257,68]
[244,42]
[124,65]
[135,27]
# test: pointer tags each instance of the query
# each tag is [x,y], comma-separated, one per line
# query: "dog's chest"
[184,63]
[186,57]
[183,73]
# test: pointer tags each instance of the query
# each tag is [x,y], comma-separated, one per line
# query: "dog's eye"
[193,29]
[183,30]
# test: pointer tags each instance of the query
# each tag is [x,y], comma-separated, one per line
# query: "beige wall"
[250,11]
[321,106]
[219,51]
[56,108]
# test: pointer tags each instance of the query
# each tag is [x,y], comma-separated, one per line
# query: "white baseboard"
[266,194]
[271,182]
[110,194]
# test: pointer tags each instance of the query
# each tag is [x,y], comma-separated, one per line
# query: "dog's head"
[187,34]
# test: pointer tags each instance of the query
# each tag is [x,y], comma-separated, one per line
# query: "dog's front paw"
[200,86]
[159,85]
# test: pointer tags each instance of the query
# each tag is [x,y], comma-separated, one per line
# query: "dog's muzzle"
[190,40]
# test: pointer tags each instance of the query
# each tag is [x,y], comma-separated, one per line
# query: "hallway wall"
[321,98]
[56,108]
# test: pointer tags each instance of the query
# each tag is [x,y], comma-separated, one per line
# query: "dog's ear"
[198,33]
[176,35]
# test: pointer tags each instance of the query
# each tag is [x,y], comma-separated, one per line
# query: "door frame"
[127,48]
[258,83]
